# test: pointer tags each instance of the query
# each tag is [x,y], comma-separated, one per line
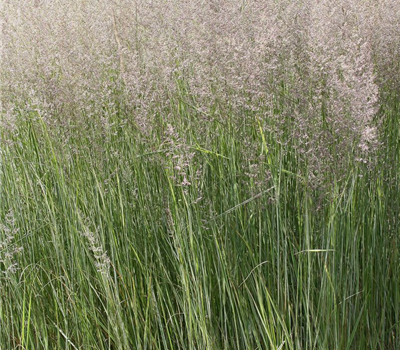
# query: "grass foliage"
[118,255]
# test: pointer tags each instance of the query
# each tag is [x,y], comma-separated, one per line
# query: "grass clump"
[183,199]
